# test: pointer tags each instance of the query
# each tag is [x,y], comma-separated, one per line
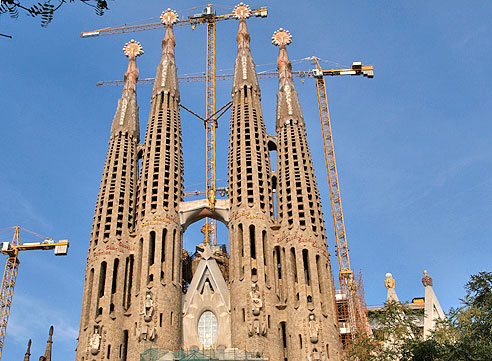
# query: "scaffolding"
[351,327]
[230,354]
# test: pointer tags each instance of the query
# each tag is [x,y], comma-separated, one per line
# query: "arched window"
[208,328]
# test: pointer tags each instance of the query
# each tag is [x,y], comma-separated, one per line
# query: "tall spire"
[49,343]
[166,78]
[27,356]
[251,201]
[244,70]
[160,190]
[306,279]
[126,116]
[288,107]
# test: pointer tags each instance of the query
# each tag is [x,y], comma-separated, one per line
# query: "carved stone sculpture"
[426,280]
[389,282]
[146,333]
[316,356]
[95,341]
[148,311]
[313,329]
[256,302]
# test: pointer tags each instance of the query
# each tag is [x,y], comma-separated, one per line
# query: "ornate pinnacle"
[281,37]
[242,11]
[169,17]
[426,280]
[132,49]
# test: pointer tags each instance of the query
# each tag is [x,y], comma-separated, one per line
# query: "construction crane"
[208,17]
[11,250]
[350,308]
[365,70]
[221,190]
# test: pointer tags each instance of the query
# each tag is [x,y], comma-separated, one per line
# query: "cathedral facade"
[271,296]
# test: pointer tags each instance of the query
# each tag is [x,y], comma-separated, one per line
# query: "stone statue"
[313,329]
[95,341]
[264,326]
[389,282]
[257,327]
[146,333]
[426,280]
[256,302]
[148,311]
[314,356]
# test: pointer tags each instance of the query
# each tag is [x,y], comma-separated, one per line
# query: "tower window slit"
[139,263]
[252,242]
[173,255]
[115,275]
[124,352]
[163,252]
[284,334]
[305,261]
[279,263]
[241,247]
[102,279]
[88,300]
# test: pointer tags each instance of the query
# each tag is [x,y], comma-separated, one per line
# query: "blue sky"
[413,145]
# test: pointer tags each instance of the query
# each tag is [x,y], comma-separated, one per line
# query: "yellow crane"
[350,308]
[209,17]
[11,250]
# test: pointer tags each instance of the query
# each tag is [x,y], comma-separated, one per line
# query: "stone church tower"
[271,296]
[304,282]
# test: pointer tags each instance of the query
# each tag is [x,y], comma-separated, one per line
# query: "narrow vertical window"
[267,277]
[173,255]
[115,276]
[252,242]
[279,263]
[102,279]
[305,261]
[163,252]
[241,250]
[139,263]
[124,352]
[152,248]
[88,300]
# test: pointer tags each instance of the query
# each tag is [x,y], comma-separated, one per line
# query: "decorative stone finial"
[389,282]
[281,37]
[426,280]
[242,11]
[133,49]
[169,17]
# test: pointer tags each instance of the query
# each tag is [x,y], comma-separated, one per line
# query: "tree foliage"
[466,334]
[45,9]
[395,325]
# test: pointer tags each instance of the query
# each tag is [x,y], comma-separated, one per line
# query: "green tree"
[45,9]
[466,335]
[395,325]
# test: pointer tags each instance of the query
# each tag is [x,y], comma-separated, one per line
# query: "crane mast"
[11,268]
[210,125]
[7,290]
[349,309]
